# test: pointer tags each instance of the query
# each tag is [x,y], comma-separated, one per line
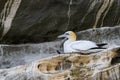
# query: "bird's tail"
[100,46]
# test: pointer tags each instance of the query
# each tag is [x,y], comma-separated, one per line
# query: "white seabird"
[71,45]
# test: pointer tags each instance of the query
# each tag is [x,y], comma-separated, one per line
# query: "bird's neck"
[70,40]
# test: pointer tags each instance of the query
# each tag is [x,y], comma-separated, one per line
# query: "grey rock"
[14,55]
[28,54]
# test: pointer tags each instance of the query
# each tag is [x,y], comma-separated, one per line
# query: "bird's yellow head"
[70,35]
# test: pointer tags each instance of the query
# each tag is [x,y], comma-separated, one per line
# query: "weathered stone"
[63,66]
[95,66]
[43,20]
[14,55]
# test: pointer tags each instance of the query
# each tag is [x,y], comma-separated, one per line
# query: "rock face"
[24,21]
[14,55]
[102,65]
[68,67]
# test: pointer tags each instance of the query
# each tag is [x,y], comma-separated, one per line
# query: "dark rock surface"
[42,20]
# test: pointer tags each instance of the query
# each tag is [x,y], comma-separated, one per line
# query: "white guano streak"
[118,22]
[110,4]
[106,5]
[92,6]
[8,14]
[69,14]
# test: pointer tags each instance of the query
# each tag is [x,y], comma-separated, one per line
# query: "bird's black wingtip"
[102,44]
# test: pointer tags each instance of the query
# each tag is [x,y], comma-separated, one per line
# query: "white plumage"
[71,45]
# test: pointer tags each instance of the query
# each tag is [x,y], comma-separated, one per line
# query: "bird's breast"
[67,47]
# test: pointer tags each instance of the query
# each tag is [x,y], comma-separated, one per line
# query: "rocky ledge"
[71,66]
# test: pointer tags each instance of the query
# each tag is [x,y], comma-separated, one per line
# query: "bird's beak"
[62,36]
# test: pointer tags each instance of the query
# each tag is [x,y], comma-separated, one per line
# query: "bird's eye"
[66,33]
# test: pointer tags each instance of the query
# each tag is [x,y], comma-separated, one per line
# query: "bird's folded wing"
[82,45]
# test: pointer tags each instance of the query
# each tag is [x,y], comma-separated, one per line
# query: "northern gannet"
[71,45]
